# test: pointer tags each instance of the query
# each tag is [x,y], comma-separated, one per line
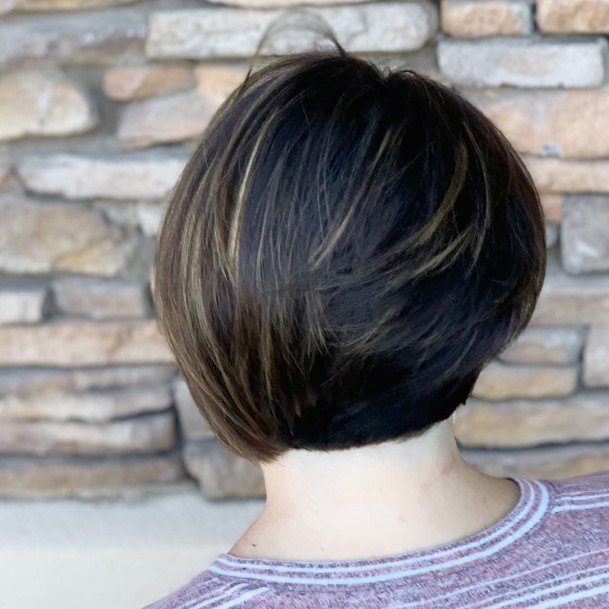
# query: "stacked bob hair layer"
[343,253]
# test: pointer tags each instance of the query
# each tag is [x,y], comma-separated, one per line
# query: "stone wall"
[101,103]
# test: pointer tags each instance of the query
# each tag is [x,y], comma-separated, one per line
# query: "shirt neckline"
[529,511]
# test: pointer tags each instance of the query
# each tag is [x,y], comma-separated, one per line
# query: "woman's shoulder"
[595,480]
[587,493]
[214,592]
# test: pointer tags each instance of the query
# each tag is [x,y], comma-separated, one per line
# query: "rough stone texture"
[49,104]
[6,169]
[548,462]
[151,282]
[280,3]
[553,206]
[596,357]
[551,234]
[222,474]
[573,300]
[556,175]
[32,382]
[128,83]
[585,235]
[145,215]
[150,433]
[545,346]
[78,347]
[87,476]
[122,213]
[475,19]
[217,81]
[228,32]
[182,116]
[149,176]
[86,406]
[569,124]
[149,217]
[534,422]
[112,299]
[42,237]
[23,304]
[500,381]
[83,343]
[192,423]
[523,62]
[8,6]
[573,16]
[98,38]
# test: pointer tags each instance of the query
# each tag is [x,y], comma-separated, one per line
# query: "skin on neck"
[374,501]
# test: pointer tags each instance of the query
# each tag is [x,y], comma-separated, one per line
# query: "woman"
[344,252]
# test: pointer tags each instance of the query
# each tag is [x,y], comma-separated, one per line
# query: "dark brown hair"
[343,253]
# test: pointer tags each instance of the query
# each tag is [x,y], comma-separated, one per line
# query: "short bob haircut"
[345,250]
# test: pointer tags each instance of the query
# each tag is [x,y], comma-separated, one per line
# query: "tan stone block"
[553,206]
[83,343]
[92,38]
[596,357]
[222,474]
[548,462]
[43,237]
[127,83]
[9,6]
[570,124]
[573,300]
[109,299]
[533,422]
[500,381]
[545,346]
[43,103]
[23,303]
[475,19]
[86,476]
[128,177]
[230,32]
[217,81]
[34,382]
[149,433]
[573,16]
[182,116]
[557,175]
[585,235]
[523,62]
[98,406]
[192,423]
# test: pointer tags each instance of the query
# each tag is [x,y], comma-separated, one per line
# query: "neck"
[372,501]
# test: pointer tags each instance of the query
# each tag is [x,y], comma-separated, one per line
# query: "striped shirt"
[551,550]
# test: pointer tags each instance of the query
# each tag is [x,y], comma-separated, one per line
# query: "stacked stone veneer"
[101,103]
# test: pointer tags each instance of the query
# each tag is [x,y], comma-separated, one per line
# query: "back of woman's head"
[341,256]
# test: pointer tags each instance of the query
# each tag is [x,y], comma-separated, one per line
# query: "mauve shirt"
[551,550]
